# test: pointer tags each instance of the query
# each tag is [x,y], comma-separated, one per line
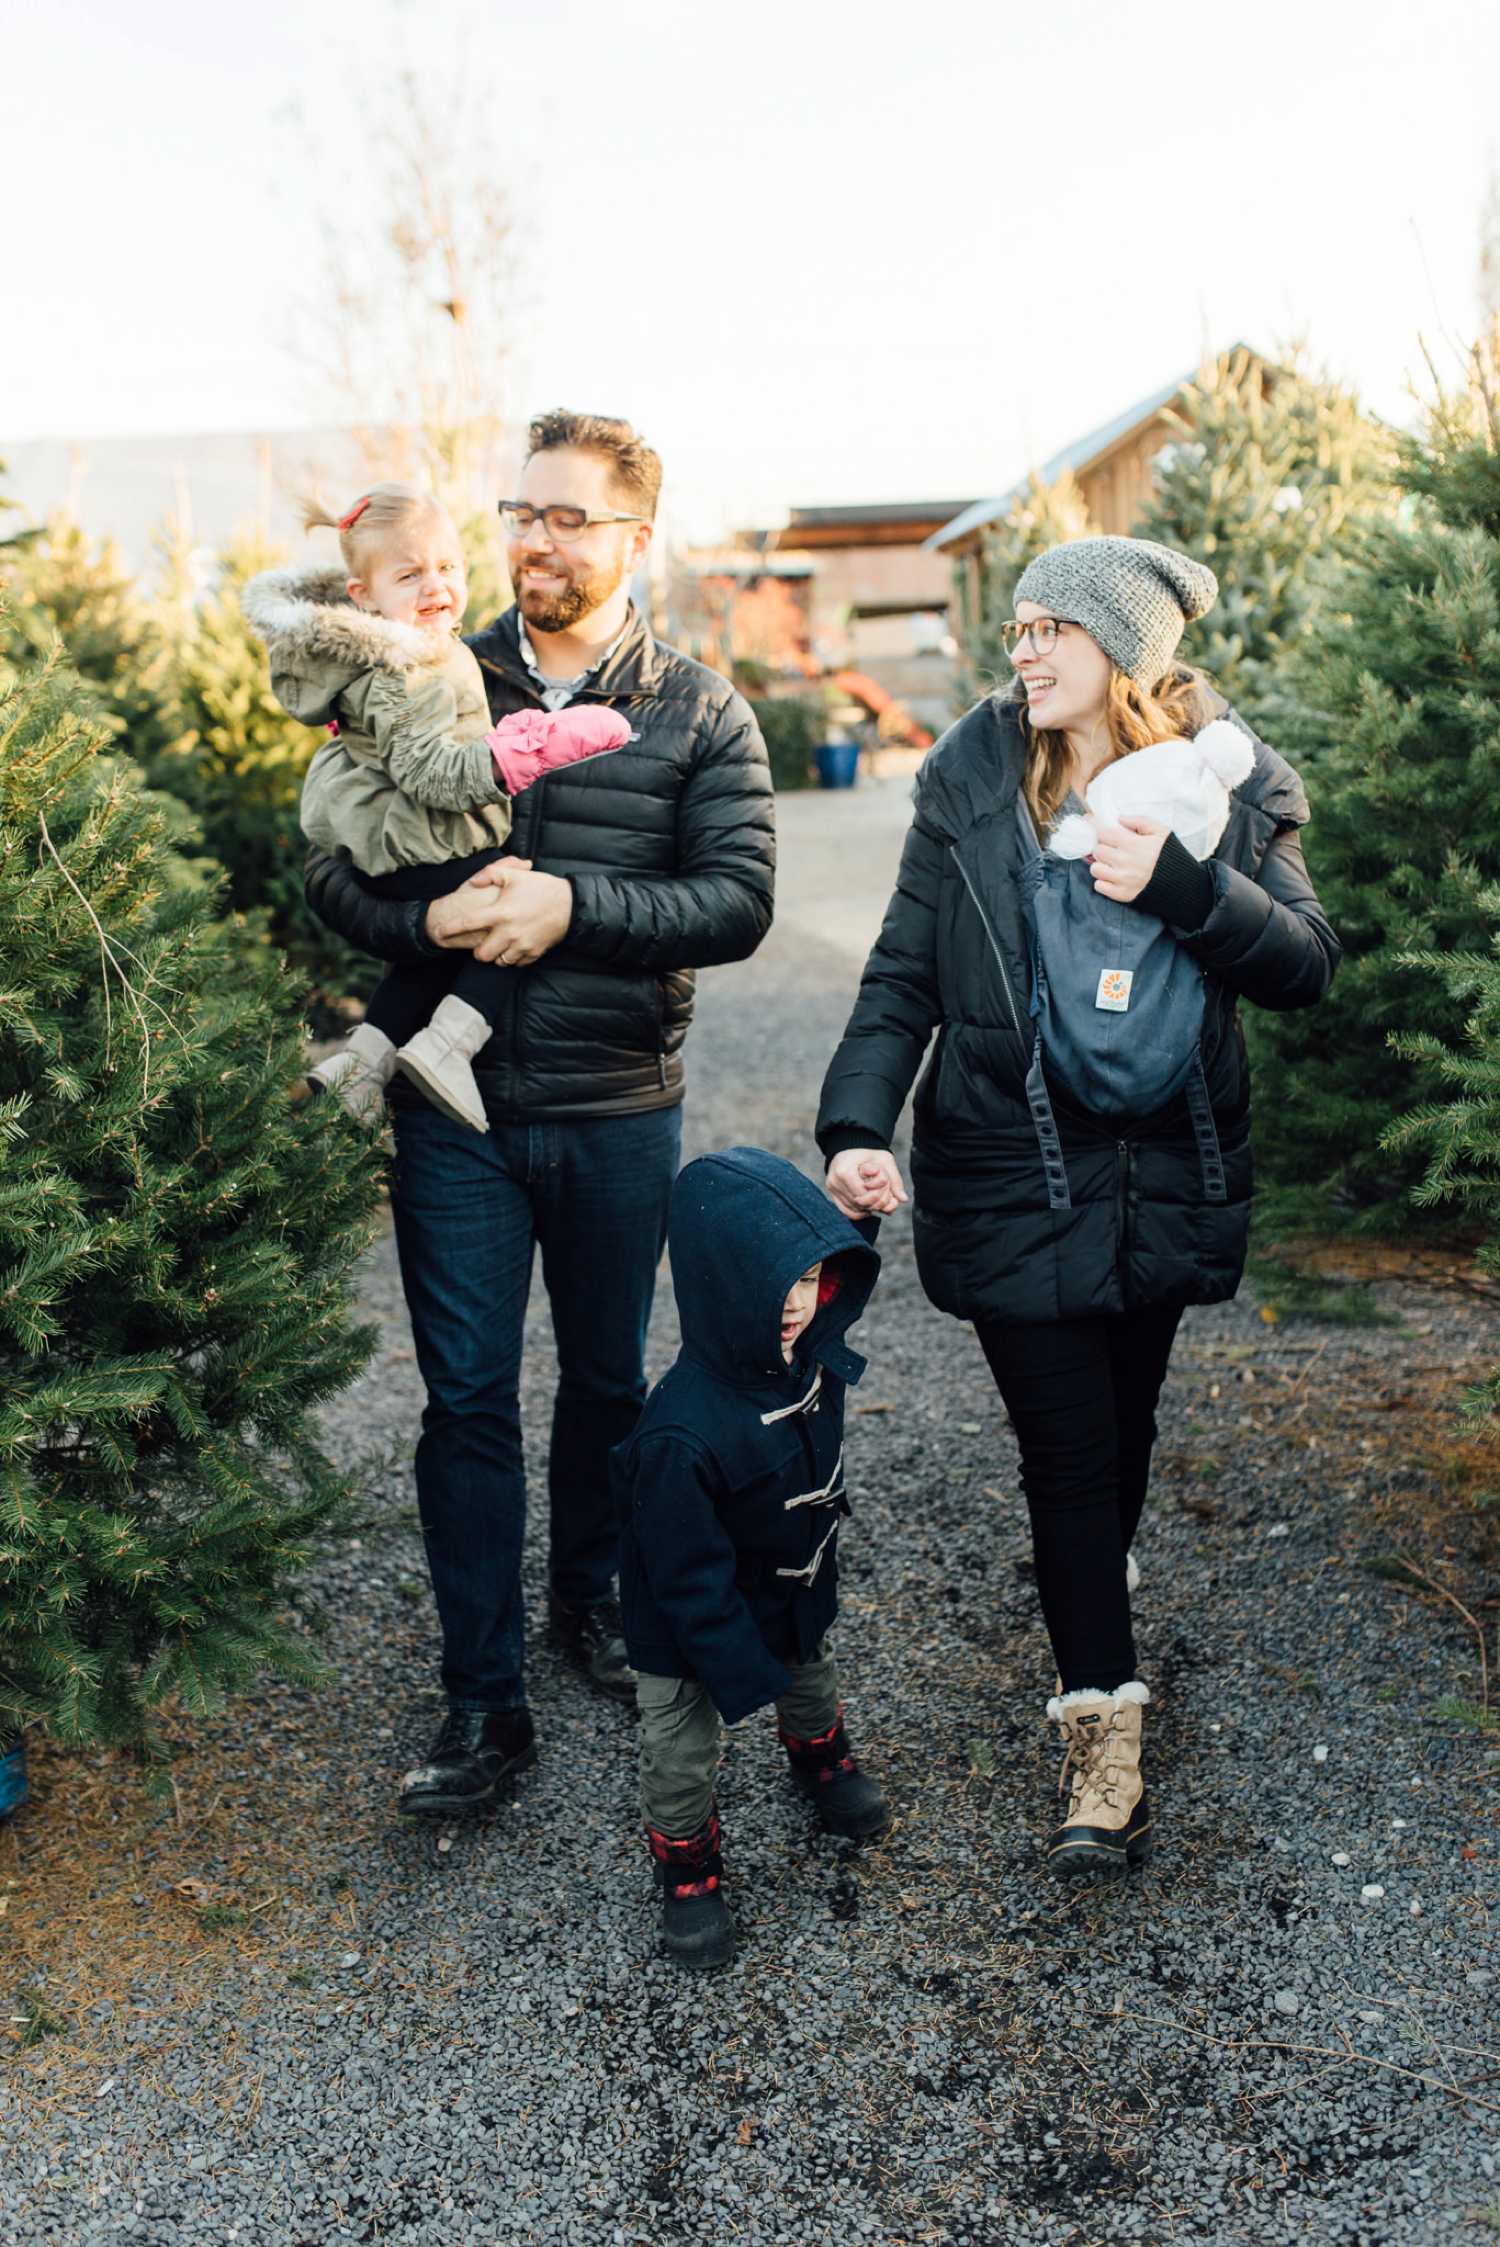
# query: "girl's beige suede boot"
[358,1073]
[438,1061]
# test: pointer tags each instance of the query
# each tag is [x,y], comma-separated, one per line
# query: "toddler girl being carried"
[414,783]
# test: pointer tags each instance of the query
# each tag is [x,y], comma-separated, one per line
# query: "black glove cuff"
[1181,890]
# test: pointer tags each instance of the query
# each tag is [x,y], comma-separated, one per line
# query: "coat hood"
[305,616]
[743,1226]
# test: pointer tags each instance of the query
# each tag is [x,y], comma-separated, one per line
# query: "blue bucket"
[838,764]
[12,1778]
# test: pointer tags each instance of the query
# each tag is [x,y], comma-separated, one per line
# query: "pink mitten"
[531,742]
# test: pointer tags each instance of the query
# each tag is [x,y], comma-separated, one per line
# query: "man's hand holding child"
[507,913]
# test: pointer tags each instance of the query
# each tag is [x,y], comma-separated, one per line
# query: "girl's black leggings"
[405,997]
[1082,1399]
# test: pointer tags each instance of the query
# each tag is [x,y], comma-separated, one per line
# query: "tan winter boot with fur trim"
[357,1074]
[1107,1824]
[437,1059]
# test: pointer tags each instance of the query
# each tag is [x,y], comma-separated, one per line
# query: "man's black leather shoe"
[474,1756]
[593,1638]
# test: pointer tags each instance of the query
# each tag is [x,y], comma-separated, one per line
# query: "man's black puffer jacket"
[952,955]
[670,847]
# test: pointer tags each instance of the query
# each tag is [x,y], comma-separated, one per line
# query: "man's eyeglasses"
[564,524]
[1042,635]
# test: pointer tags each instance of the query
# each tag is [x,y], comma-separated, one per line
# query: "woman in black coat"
[1072,1241]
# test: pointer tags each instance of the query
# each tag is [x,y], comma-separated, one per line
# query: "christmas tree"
[1042,515]
[1458,1134]
[13,540]
[484,563]
[238,761]
[62,586]
[1266,469]
[177,1249]
[1396,727]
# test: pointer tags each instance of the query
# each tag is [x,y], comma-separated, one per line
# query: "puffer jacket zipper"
[527,817]
[1122,1218]
[994,944]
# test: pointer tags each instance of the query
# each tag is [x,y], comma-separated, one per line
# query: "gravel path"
[463,2036]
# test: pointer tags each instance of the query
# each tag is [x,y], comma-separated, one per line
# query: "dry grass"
[118,1907]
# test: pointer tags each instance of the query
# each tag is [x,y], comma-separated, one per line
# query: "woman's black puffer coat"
[952,955]
[670,847]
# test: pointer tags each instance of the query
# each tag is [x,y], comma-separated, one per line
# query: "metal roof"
[1075,457]
[900,511]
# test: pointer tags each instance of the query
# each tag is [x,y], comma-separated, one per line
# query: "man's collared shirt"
[556,694]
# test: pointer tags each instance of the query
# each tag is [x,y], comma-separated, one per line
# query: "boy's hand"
[865,1182]
[1124,858]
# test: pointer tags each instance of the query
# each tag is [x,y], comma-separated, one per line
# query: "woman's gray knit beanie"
[1134,597]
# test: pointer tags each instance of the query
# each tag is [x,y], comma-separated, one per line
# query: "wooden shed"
[1112,467]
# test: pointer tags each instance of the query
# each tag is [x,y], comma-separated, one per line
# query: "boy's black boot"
[475,1755]
[593,1639]
[824,1768]
[696,1929]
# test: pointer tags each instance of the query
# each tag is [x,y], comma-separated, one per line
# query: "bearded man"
[627,872]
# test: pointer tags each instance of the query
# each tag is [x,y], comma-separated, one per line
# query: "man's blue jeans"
[470,1211]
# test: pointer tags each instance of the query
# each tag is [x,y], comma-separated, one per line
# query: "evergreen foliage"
[64,587]
[1459,1134]
[1397,729]
[1263,477]
[484,564]
[14,540]
[1043,515]
[238,762]
[236,758]
[176,1254]
[792,727]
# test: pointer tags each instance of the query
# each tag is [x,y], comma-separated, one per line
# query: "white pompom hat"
[1183,784]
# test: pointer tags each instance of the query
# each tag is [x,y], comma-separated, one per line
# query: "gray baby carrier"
[1117,1007]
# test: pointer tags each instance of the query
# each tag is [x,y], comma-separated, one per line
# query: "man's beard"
[559,612]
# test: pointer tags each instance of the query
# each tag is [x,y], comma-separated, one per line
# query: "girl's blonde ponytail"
[367,520]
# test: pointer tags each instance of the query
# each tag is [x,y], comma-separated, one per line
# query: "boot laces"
[1091,1771]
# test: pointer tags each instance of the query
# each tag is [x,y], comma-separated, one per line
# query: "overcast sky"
[817,250]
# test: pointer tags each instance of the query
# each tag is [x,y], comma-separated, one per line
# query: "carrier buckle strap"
[1039,1101]
[1205,1131]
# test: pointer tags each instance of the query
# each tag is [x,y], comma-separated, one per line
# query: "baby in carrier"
[1117,1001]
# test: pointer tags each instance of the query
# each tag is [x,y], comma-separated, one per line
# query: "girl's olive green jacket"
[407,779]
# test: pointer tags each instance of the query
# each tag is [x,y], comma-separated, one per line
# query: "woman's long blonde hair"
[1178,705]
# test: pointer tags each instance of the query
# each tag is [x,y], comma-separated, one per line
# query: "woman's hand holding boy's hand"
[1124,858]
[865,1182]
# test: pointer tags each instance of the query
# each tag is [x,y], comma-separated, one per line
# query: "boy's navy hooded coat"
[732,1486]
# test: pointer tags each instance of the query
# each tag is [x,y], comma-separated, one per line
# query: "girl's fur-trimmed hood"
[305,616]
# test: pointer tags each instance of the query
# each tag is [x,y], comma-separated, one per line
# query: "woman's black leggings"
[1082,1398]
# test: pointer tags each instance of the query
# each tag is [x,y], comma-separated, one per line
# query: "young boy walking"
[731,1490]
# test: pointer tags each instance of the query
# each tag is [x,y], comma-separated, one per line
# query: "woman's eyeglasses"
[1042,635]
[564,524]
